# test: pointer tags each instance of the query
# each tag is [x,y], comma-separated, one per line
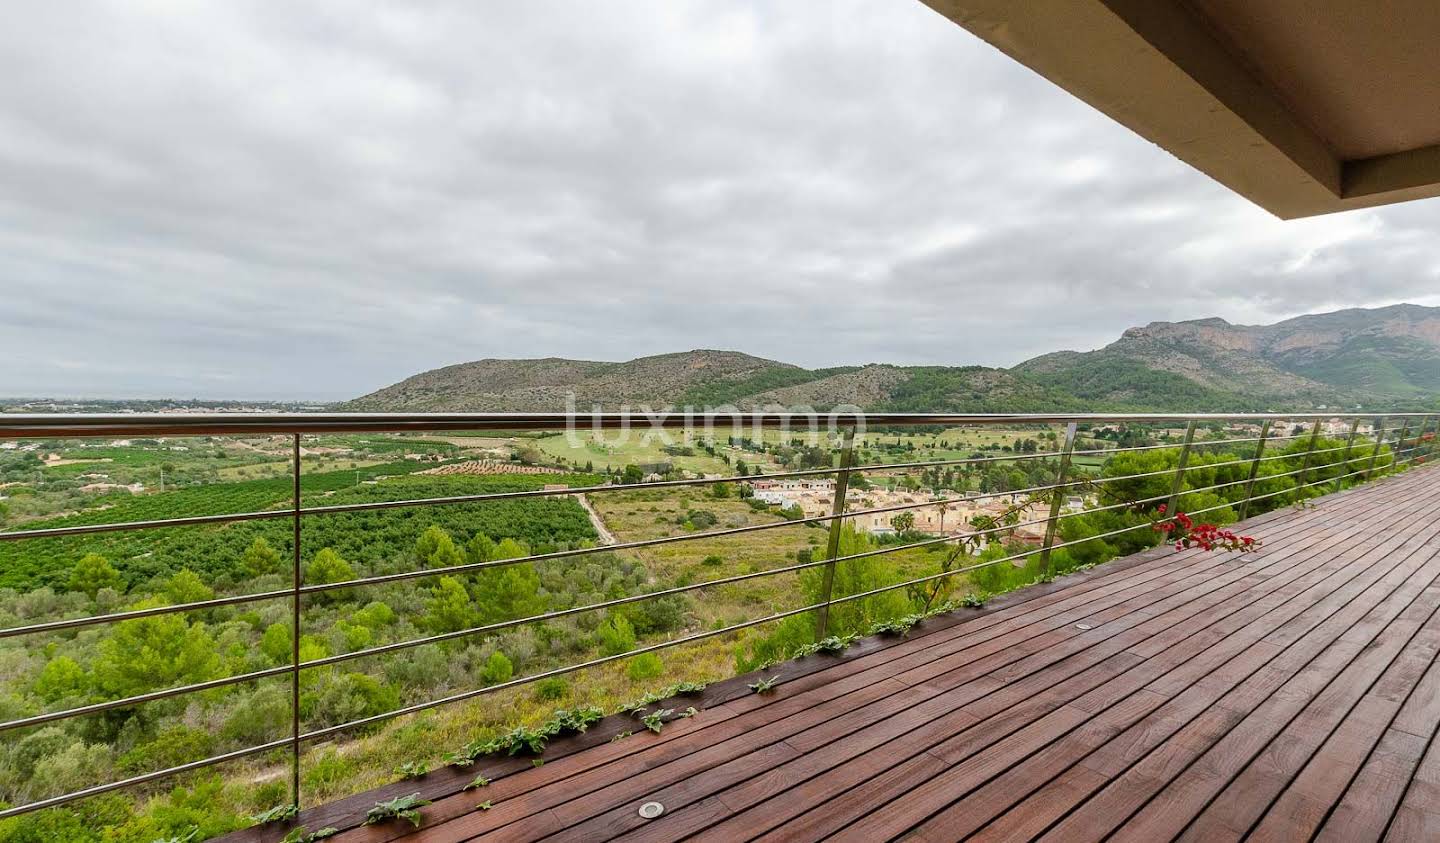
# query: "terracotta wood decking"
[1291,694]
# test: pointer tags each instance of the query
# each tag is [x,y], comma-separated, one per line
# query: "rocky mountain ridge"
[1378,357]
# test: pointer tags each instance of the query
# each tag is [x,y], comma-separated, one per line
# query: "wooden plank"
[1306,802]
[1132,787]
[1253,791]
[1368,804]
[1375,794]
[1420,808]
[1187,795]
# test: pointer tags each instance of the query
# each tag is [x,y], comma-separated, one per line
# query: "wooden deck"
[1291,694]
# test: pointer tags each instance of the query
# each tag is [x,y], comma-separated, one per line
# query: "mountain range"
[1378,358]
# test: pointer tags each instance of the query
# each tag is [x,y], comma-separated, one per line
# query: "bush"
[616,636]
[374,615]
[352,696]
[645,666]
[173,746]
[497,669]
[549,690]
[258,719]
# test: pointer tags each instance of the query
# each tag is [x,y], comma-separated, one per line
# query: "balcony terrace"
[1286,694]
[1289,695]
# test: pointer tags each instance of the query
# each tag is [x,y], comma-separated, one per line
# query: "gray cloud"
[316,199]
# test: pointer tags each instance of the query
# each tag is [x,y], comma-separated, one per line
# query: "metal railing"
[1403,450]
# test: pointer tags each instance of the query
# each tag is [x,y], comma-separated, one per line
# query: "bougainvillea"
[1185,533]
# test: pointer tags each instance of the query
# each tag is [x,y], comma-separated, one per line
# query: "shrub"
[498,668]
[616,635]
[554,688]
[645,666]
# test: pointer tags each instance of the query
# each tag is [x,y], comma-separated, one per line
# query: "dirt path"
[606,537]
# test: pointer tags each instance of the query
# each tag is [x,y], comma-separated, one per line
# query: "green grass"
[593,448]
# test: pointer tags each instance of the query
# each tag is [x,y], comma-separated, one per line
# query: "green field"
[601,451]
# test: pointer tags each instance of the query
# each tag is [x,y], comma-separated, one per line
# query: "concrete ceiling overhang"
[1304,107]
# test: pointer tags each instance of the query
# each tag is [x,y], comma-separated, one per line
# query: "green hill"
[1376,358]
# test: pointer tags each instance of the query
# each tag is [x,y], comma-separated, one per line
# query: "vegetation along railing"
[1393,442]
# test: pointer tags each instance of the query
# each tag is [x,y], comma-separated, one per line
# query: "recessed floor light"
[651,810]
[1082,626]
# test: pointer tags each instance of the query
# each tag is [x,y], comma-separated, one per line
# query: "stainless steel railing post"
[1345,461]
[1305,466]
[1254,469]
[297,580]
[832,546]
[1399,444]
[1379,441]
[1057,498]
[1180,469]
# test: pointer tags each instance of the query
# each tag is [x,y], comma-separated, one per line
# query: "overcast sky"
[316,199]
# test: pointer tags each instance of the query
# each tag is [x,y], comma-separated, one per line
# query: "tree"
[632,475]
[92,573]
[508,592]
[375,615]
[327,567]
[351,696]
[480,548]
[61,677]
[159,651]
[616,636]
[260,558]
[904,522]
[509,549]
[497,669]
[275,643]
[187,587]
[450,608]
[437,549]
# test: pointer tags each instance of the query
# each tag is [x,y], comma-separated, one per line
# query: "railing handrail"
[297,425]
[57,425]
